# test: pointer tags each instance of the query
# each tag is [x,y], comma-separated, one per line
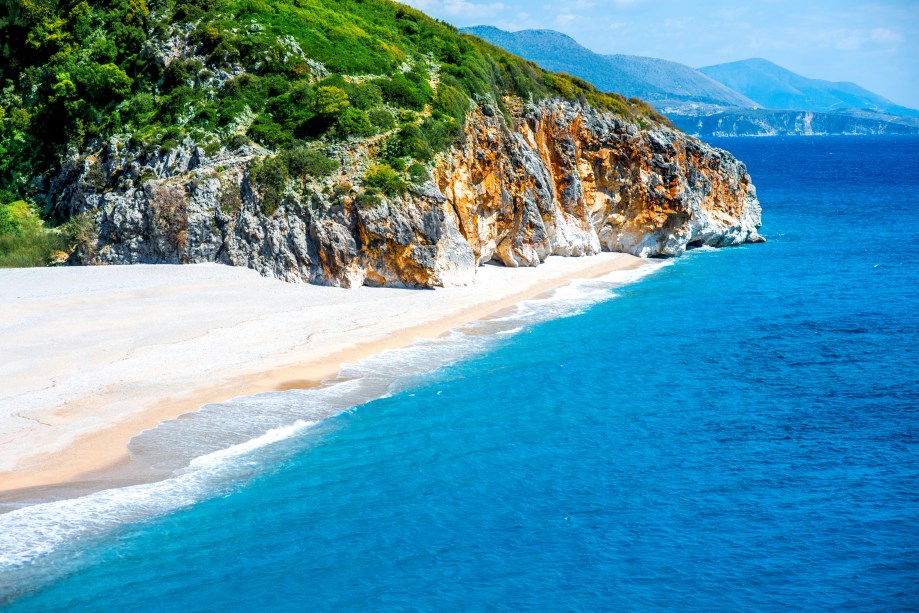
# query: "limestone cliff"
[554,178]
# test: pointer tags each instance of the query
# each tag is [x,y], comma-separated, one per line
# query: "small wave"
[30,532]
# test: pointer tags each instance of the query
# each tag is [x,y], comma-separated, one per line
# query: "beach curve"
[94,356]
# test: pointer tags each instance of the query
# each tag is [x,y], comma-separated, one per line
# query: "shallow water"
[736,431]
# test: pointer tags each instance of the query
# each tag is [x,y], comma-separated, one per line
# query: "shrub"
[292,110]
[302,162]
[24,240]
[354,122]
[410,142]
[19,218]
[229,200]
[170,213]
[330,100]
[386,180]
[451,101]
[139,108]
[106,82]
[399,91]
[368,199]
[81,234]
[270,177]
[418,174]
[440,134]
[366,95]
[271,134]
[382,119]
[238,141]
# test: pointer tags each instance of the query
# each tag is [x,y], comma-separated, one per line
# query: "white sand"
[90,357]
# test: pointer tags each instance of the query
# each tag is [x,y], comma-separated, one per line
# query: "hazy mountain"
[770,122]
[727,100]
[772,86]
[657,81]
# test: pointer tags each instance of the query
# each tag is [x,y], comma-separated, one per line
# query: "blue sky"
[875,45]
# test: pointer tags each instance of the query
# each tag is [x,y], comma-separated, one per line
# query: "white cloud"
[854,39]
[885,35]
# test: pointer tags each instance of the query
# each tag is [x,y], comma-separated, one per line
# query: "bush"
[386,180]
[399,91]
[170,213]
[19,218]
[354,122]
[368,199]
[410,142]
[302,163]
[271,134]
[366,96]
[81,234]
[270,177]
[238,141]
[382,119]
[418,174]
[229,200]
[440,134]
[330,100]
[24,240]
[451,101]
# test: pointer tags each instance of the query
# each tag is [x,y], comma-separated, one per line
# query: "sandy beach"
[90,357]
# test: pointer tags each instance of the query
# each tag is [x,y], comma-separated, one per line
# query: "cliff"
[554,177]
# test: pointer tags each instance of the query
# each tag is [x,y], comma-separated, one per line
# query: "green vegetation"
[270,176]
[303,163]
[382,178]
[76,72]
[418,174]
[24,239]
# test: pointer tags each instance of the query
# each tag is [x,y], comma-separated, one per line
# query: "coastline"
[151,334]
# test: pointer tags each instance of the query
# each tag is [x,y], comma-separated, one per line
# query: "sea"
[732,430]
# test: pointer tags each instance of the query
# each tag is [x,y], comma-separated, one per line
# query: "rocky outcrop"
[554,178]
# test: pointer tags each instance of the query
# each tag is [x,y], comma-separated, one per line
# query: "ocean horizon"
[734,429]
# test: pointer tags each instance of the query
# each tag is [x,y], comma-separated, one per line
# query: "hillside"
[271,71]
[658,81]
[358,142]
[774,87]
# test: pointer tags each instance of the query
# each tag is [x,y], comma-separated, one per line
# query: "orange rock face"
[561,179]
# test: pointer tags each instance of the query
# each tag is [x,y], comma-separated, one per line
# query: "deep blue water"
[738,431]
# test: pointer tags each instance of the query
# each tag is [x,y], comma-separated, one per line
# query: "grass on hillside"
[79,71]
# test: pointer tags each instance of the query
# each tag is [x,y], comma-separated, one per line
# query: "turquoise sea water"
[737,431]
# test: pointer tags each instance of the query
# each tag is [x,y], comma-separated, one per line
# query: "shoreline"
[79,443]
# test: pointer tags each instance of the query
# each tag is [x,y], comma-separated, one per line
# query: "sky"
[873,44]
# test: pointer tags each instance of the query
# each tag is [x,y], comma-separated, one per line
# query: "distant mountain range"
[750,97]
[774,87]
[653,80]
